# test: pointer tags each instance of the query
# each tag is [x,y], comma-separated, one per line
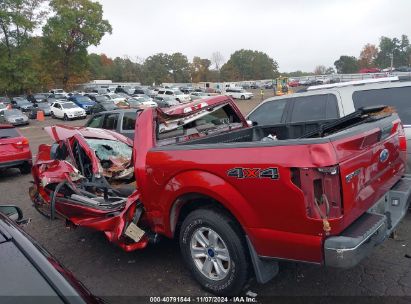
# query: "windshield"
[108,149]
[178,93]
[21,101]
[135,101]
[59,96]
[40,96]
[112,96]
[68,105]
[12,112]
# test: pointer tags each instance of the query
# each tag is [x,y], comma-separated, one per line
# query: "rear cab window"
[110,122]
[269,113]
[96,121]
[398,98]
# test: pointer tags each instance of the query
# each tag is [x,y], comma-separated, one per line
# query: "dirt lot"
[158,270]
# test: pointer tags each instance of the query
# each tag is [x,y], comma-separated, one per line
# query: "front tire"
[214,251]
[242,97]
[65,118]
[25,168]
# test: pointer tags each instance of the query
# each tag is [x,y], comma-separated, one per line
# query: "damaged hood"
[60,132]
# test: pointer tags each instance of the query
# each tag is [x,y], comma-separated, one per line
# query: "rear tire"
[214,251]
[242,97]
[52,115]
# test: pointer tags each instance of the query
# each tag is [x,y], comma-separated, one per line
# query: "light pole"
[392,61]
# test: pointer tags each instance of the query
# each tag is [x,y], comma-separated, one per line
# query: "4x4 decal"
[254,173]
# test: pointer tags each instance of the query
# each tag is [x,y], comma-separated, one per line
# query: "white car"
[58,91]
[238,93]
[67,110]
[178,95]
[114,97]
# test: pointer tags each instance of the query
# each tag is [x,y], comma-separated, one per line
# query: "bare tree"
[217,59]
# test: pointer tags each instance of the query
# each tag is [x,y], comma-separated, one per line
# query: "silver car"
[14,117]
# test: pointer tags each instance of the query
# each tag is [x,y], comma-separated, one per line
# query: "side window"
[160,92]
[110,121]
[269,113]
[96,121]
[331,111]
[129,121]
[309,108]
[169,93]
[398,98]
[58,106]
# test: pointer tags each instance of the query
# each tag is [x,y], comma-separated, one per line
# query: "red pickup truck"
[238,198]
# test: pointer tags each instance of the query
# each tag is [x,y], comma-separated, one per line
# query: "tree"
[320,70]
[249,65]
[156,69]
[398,48]
[200,69]
[180,68]
[18,20]
[329,71]
[346,65]
[76,25]
[368,55]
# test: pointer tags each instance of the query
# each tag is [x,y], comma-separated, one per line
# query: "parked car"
[41,106]
[57,96]
[103,106]
[14,150]
[166,101]
[21,103]
[125,90]
[59,92]
[200,174]
[83,102]
[41,97]
[121,121]
[3,107]
[5,100]
[369,70]
[403,69]
[238,93]
[293,83]
[67,110]
[14,117]
[178,95]
[199,95]
[325,104]
[98,98]
[29,272]
[115,98]
[144,100]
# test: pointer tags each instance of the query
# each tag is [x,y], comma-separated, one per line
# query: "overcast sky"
[298,34]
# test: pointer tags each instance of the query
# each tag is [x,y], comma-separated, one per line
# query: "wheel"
[242,97]
[52,115]
[65,117]
[214,251]
[25,169]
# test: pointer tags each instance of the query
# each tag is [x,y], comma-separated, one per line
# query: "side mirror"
[12,212]
[250,123]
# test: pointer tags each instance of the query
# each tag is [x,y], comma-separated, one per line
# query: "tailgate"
[371,160]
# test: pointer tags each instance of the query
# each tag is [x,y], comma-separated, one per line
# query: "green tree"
[346,65]
[200,69]
[180,67]
[156,69]
[249,65]
[18,20]
[398,48]
[75,25]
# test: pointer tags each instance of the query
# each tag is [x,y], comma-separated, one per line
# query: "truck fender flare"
[203,184]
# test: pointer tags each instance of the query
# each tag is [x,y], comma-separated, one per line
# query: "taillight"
[322,191]
[22,143]
[401,137]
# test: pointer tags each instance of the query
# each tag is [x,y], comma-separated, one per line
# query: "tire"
[65,117]
[25,169]
[52,115]
[242,97]
[233,269]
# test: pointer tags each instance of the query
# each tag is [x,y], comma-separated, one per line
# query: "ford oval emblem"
[384,155]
